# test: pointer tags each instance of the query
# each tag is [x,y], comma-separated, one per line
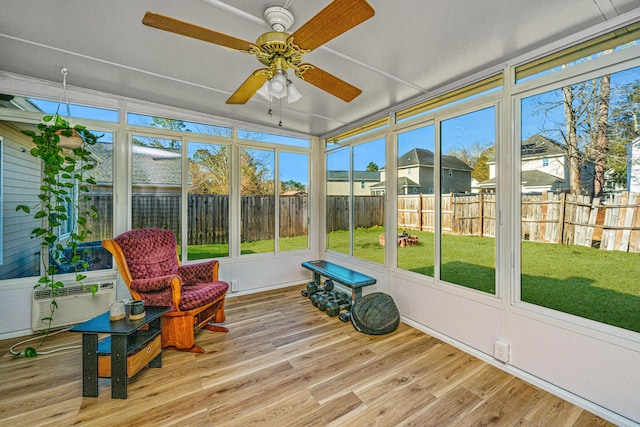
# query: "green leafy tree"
[209,169]
[372,167]
[292,185]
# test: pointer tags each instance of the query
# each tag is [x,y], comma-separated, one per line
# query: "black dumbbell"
[345,316]
[328,285]
[312,288]
[324,299]
[316,297]
[334,307]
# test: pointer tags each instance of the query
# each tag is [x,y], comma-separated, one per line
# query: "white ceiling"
[407,49]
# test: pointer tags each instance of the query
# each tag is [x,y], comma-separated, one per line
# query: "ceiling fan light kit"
[280,51]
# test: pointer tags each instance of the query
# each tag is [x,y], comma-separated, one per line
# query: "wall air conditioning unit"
[75,305]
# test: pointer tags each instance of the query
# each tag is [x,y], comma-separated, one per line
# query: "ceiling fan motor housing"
[278,18]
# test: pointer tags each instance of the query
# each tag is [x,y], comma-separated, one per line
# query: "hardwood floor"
[285,363]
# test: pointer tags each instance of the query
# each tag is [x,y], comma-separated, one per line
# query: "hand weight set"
[334,307]
[312,288]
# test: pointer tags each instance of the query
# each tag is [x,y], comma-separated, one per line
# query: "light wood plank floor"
[285,363]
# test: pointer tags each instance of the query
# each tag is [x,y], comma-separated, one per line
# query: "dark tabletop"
[102,324]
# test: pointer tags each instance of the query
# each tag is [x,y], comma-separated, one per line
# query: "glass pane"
[101,193]
[21,180]
[156,183]
[416,204]
[77,111]
[338,193]
[179,125]
[580,215]
[257,208]
[467,211]
[275,139]
[294,178]
[208,201]
[368,200]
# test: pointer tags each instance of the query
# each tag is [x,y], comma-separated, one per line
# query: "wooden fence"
[466,214]
[613,224]
[208,216]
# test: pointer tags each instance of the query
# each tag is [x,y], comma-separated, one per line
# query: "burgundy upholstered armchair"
[148,262]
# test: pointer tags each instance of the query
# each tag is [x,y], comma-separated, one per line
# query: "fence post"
[420,211]
[563,198]
[481,214]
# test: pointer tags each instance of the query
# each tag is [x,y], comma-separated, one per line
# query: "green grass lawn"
[591,283]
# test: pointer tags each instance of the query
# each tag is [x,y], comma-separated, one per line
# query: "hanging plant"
[64,198]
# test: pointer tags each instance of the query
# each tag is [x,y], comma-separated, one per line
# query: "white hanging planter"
[69,137]
[69,142]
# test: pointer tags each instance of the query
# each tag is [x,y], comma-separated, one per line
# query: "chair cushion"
[150,252]
[197,295]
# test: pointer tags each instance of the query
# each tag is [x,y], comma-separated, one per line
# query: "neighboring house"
[415,174]
[154,170]
[545,167]
[338,182]
[633,166]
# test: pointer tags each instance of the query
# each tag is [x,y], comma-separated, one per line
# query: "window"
[416,208]
[338,206]
[465,93]
[208,200]
[545,162]
[368,209]
[355,212]
[370,127]
[579,254]
[467,226]
[257,205]
[608,43]
[156,181]
[274,139]
[293,201]
[77,111]
[177,125]
[21,179]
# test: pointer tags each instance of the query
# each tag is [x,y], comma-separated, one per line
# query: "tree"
[209,169]
[476,156]
[292,185]
[602,136]
[256,173]
[481,168]
[372,167]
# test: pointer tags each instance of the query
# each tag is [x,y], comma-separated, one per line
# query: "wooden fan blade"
[183,28]
[338,17]
[329,83]
[249,88]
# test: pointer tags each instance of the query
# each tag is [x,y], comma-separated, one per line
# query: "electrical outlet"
[501,351]
[234,286]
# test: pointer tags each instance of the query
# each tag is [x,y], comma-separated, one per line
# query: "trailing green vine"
[63,171]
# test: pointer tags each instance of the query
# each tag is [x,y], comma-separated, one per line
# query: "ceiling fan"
[280,51]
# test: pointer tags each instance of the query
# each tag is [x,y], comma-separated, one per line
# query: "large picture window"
[257,207]
[355,200]
[21,181]
[580,210]
[416,200]
[208,201]
[156,178]
[467,200]
[293,201]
